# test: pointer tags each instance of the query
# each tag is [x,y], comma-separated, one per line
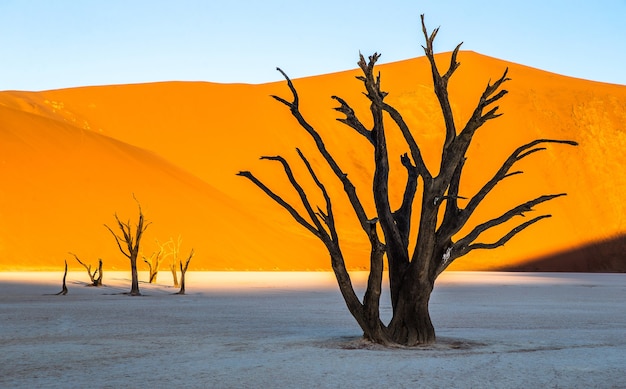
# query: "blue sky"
[50,44]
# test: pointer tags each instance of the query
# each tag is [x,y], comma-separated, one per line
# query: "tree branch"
[348,187]
[371,83]
[455,153]
[448,258]
[520,153]
[416,153]
[452,204]
[351,120]
[455,219]
[292,211]
[441,82]
[88,268]
[301,193]
[402,216]
[184,269]
[296,101]
[92,276]
[395,234]
[478,118]
[117,238]
[328,217]
[462,246]
[508,236]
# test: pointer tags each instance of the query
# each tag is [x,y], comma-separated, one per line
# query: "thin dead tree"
[129,244]
[417,247]
[175,251]
[183,270]
[154,261]
[63,291]
[96,275]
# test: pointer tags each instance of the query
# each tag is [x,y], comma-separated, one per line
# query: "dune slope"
[70,159]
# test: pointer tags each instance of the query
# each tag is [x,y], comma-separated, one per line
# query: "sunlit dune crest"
[70,159]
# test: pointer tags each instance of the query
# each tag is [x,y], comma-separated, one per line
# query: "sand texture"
[70,159]
[292,330]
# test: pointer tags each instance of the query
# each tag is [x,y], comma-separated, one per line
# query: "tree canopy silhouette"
[129,244]
[417,249]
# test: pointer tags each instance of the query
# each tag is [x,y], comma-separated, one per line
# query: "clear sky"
[50,44]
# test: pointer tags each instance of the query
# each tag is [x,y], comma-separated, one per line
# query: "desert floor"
[292,330]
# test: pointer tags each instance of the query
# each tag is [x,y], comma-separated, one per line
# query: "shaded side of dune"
[607,256]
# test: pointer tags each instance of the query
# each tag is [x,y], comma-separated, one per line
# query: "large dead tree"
[436,238]
[129,244]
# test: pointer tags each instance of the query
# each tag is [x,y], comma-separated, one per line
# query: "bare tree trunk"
[153,278]
[183,270]
[132,243]
[174,274]
[155,261]
[152,270]
[134,283]
[98,281]
[175,252]
[182,280]
[411,324]
[63,291]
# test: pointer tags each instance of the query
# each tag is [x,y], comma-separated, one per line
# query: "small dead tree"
[175,251]
[154,261]
[129,244]
[96,275]
[63,291]
[437,239]
[183,270]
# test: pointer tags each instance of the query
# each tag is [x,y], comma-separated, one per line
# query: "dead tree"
[175,247]
[129,244]
[183,270]
[437,238]
[154,261]
[96,275]
[63,291]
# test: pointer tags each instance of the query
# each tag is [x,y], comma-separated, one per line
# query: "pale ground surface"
[292,330]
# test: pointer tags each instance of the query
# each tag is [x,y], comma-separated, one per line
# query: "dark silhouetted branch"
[63,291]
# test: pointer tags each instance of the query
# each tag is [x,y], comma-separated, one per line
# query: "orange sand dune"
[70,159]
